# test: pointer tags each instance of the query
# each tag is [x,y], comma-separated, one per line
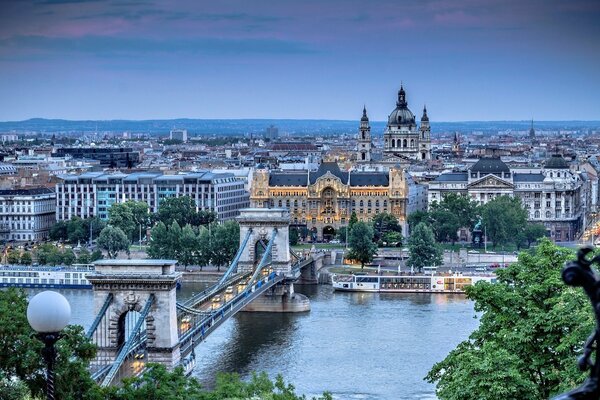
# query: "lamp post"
[48,313]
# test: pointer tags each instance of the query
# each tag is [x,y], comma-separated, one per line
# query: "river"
[355,345]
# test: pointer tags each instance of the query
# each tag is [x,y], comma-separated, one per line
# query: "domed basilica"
[403,139]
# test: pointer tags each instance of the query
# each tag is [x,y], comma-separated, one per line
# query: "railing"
[125,349]
[100,315]
[207,325]
[236,259]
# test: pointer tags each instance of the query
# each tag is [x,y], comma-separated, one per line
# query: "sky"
[467,60]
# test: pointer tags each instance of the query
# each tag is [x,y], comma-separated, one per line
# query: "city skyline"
[467,60]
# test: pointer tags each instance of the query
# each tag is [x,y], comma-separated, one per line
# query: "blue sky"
[466,59]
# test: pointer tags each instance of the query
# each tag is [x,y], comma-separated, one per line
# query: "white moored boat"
[451,283]
[72,277]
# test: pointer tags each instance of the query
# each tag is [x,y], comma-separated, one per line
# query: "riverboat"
[46,277]
[437,283]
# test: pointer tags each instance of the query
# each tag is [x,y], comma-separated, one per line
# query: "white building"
[91,194]
[552,195]
[179,134]
[26,214]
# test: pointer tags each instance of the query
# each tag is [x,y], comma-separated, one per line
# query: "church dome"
[401,116]
[556,162]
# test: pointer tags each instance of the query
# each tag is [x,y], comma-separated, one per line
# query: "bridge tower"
[123,287]
[261,223]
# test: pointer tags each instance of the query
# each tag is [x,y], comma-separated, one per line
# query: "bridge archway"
[260,224]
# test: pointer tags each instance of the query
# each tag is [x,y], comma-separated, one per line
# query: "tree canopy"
[131,217]
[183,210]
[384,224]
[113,240]
[532,325]
[423,250]
[360,240]
[505,219]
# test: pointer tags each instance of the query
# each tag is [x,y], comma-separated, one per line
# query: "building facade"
[403,140]
[552,195]
[92,194]
[364,139]
[323,200]
[109,157]
[26,215]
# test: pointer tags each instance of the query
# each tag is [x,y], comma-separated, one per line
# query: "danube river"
[355,345]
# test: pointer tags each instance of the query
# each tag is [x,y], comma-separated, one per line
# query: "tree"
[48,254]
[352,221]
[530,327]
[96,255]
[423,251]
[173,241]
[20,354]
[158,246]
[392,239]
[445,225]
[417,217]
[26,258]
[58,231]
[293,236]
[341,234]
[534,232]
[84,257]
[204,252]
[505,219]
[225,241]
[384,223]
[13,257]
[113,240]
[462,207]
[188,246]
[77,230]
[181,209]
[69,257]
[360,240]
[130,216]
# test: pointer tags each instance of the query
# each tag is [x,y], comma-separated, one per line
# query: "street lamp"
[48,313]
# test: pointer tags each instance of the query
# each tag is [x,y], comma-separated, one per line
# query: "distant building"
[91,194]
[9,138]
[26,214]
[179,134]
[551,195]
[403,140]
[272,133]
[323,200]
[364,139]
[109,157]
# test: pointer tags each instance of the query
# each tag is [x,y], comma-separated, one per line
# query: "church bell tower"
[364,139]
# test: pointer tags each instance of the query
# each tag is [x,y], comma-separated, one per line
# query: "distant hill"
[244,126]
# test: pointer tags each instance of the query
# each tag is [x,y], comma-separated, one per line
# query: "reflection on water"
[356,345]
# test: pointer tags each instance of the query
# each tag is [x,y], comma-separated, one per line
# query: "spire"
[364,115]
[531,130]
[425,118]
[402,97]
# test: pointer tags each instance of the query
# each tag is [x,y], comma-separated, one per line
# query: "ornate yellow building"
[323,200]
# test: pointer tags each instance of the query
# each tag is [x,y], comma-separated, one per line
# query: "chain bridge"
[138,319]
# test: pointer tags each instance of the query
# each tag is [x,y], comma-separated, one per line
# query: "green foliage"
[532,326]
[20,354]
[204,251]
[360,240]
[84,257]
[113,240]
[341,234]
[392,239]
[293,236]
[183,210]
[225,241]
[129,216]
[158,383]
[505,219]
[188,245]
[69,257]
[462,207]
[352,221]
[445,225]
[76,229]
[384,223]
[96,255]
[159,246]
[416,218]
[423,250]
[48,254]
[58,231]
[13,257]
[26,258]
[534,232]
